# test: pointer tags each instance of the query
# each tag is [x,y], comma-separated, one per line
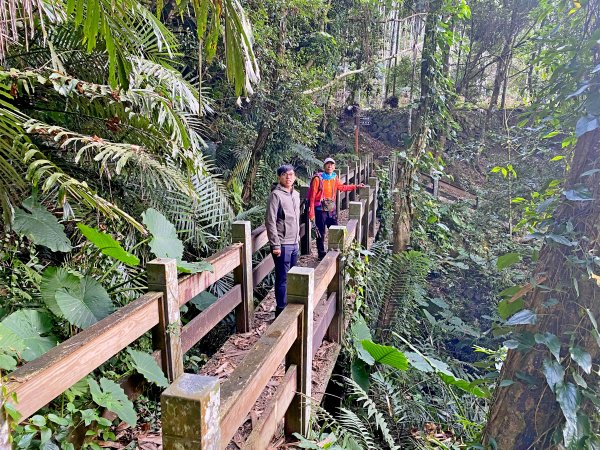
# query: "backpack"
[320,190]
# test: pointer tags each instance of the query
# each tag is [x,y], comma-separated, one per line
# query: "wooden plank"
[43,379]
[327,371]
[200,325]
[240,391]
[263,431]
[259,238]
[263,269]
[324,273]
[324,313]
[223,262]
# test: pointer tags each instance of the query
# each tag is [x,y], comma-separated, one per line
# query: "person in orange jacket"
[322,196]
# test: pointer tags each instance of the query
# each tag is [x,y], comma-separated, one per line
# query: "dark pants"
[323,219]
[283,263]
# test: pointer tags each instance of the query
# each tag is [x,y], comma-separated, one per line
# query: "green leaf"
[359,332]
[550,341]
[203,300]
[27,332]
[108,245]
[583,358]
[585,125]
[86,304]
[418,362]
[568,398]
[164,243]
[360,374]
[7,362]
[506,383]
[507,260]
[451,380]
[111,396]
[561,240]
[41,227]
[147,366]
[53,279]
[554,373]
[506,308]
[524,317]
[579,380]
[578,195]
[384,354]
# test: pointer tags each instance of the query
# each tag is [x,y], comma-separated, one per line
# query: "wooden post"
[190,413]
[346,195]
[364,195]
[4,430]
[374,185]
[338,203]
[356,212]
[359,177]
[436,186]
[354,181]
[162,277]
[306,239]
[241,231]
[300,290]
[336,241]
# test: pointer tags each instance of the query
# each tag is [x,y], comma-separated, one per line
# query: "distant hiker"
[322,195]
[283,229]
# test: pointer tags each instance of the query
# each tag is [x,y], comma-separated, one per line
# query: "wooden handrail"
[45,378]
[243,387]
[324,273]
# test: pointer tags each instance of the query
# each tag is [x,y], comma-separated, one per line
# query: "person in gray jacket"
[283,229]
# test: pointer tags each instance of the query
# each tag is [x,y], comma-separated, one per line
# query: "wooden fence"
[193,398]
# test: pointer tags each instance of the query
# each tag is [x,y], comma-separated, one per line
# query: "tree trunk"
[403,208]
[257,150]
[525,415]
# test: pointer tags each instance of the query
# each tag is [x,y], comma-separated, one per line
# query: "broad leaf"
[203,300]
[451,380]
[27,332]
[146,365]
[507,308]
[561,240]
[384,354]
[583,358]
[110,395]
[554,373]
[550,341]
[578,195]
[53,279]
[418,362]
[164,243]
[524,317]
[360,373]
[585,125]
[359,332]
[86,304]
[568,398]
[7,362]
[108,245]
[507,260]
[41,227]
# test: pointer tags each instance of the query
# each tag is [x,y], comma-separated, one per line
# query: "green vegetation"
[132,130]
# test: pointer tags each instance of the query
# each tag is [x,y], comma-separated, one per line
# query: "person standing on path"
[282,222]
[322,195]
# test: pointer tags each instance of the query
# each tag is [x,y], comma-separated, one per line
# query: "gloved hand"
[315,229]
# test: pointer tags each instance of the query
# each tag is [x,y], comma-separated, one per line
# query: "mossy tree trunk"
[525,415]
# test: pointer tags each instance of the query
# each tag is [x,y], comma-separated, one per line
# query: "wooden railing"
[292,336]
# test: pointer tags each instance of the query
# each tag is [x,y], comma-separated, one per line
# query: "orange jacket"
[330,188]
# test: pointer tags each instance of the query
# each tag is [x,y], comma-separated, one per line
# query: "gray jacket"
[283,217]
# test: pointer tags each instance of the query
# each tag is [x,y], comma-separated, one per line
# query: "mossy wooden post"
[336,241]
[242,232]
[356,212]
[300,290]
[374,185]
[162,277]
[365,193]
[436,186]
[190,413]
[360,166]
[305,240]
